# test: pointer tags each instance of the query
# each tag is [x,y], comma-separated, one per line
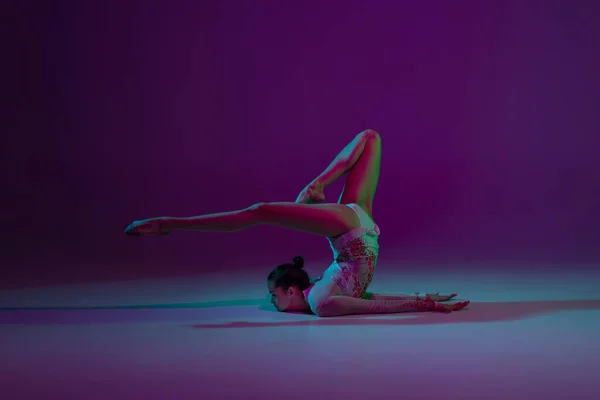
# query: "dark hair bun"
[298,262]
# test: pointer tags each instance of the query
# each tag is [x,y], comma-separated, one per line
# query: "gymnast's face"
[291,299]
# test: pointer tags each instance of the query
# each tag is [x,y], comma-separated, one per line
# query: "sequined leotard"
[355,256]
[342,289]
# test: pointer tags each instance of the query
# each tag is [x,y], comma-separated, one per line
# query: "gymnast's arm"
[335,306]
[377,296]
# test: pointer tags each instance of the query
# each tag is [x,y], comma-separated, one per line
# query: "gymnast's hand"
[313,193]
[447,308]
[441,297]
[149,227]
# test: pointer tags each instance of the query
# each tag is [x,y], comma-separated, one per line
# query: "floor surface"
[526,335]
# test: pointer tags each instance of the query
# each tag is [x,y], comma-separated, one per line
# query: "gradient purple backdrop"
[488,113]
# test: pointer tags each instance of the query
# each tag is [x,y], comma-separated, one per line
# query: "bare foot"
[148,227]
[313,193]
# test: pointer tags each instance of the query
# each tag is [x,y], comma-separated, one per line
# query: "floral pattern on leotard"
[356,264]
[355,256]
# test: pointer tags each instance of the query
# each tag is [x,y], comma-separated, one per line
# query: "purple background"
[488,112]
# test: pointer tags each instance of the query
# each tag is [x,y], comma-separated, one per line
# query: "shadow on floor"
[132,314]
[206,304]
[476,313]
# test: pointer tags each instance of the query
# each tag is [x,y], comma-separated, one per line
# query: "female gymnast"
[349,227]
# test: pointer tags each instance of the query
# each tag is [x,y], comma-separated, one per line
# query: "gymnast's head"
[286,285]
